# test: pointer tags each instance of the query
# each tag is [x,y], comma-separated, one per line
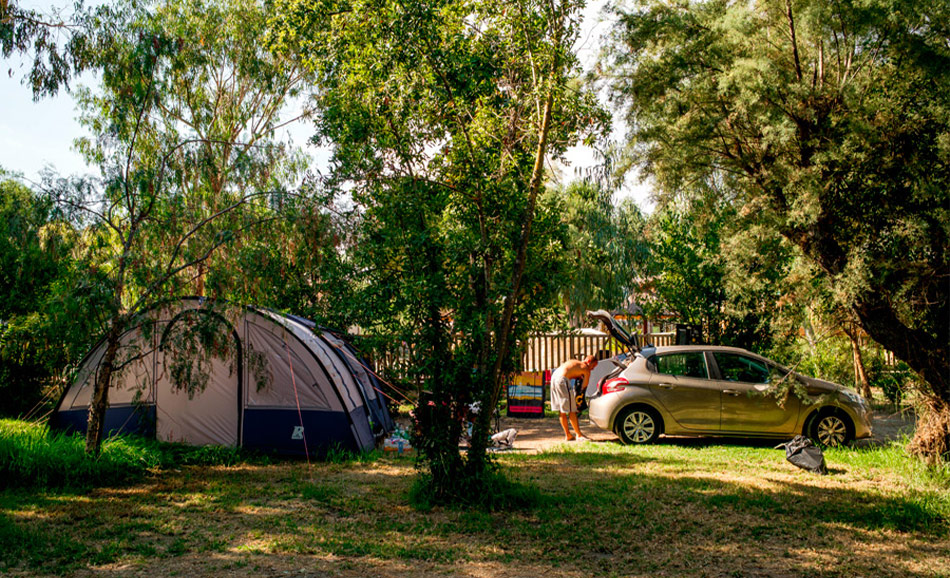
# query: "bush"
[894,380]
[833,360]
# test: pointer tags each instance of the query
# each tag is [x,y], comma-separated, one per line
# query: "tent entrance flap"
[205,416]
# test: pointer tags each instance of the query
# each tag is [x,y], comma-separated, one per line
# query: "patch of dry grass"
[675,509]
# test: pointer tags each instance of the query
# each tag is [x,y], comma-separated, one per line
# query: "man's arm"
[586,379]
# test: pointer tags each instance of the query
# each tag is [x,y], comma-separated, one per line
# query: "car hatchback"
[722,391]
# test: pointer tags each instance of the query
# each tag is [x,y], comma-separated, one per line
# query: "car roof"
[713,348]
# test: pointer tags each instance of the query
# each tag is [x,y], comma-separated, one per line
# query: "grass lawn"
[673,509]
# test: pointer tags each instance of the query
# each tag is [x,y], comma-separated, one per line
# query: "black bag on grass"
[806,455]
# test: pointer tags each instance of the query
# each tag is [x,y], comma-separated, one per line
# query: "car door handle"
[665,385]
[731,392]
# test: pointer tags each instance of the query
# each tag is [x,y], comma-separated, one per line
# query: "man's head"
[590,362]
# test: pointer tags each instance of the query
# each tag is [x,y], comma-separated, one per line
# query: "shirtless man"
[562,398]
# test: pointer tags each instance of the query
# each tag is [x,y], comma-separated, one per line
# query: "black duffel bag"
[804,454]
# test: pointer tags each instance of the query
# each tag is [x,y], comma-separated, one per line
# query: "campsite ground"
[679,508]
[538,435]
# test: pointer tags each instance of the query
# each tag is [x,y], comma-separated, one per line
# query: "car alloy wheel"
[639,426]
[831,431]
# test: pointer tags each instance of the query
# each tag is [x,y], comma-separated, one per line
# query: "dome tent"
[273,384]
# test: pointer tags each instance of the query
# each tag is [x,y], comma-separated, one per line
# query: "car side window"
[691,364]
[740,368]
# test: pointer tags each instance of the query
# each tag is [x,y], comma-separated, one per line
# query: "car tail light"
[614,385]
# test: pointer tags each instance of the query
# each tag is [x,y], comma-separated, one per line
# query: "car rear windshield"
[691,364]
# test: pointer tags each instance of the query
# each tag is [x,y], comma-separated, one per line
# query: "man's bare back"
[573,368]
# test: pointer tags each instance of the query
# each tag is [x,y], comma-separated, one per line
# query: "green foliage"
[709,268]
[689,275]
[53,43]
[894,381]
[436,113]
[829,122]
[33,457]
[605,250]
[44,318]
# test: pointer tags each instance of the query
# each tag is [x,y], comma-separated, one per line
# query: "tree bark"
[927,356]
[100,393]
[860,373]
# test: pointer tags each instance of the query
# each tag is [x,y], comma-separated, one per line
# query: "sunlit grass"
[682,507]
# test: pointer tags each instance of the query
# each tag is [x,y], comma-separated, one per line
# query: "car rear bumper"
[599,413]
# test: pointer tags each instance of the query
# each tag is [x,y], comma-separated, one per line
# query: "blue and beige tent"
[282,385]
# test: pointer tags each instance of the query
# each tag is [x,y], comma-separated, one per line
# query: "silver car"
[721,391]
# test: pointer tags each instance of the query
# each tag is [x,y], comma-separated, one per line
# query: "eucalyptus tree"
[52,44]
[183,130]
[606,249]
[441,115]
[830,122]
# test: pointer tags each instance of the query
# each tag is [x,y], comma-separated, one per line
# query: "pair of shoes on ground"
[578,439]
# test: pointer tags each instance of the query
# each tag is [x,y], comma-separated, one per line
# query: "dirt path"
[538,435]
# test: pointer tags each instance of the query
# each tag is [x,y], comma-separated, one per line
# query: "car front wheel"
[831,428]
[638,425]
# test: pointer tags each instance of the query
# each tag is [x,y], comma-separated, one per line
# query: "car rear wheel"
[831,428]
[638,425]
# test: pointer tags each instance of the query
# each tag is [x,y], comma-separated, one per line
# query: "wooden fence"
[547,351]
[542,351]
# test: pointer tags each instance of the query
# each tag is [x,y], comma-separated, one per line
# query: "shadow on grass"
[708,441]
[604,511]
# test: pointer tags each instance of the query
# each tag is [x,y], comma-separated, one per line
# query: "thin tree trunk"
[860,373]
[813,346]
[100,395]
[522,256]
[791,30]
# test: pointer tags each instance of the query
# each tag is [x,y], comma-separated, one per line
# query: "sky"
[35,135]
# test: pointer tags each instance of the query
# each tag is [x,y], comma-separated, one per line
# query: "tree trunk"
[928,358]
[812,346]
[100,393]
[522,256]
[860,373]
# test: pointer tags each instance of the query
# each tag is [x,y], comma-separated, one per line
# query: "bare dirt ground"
[538,435]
